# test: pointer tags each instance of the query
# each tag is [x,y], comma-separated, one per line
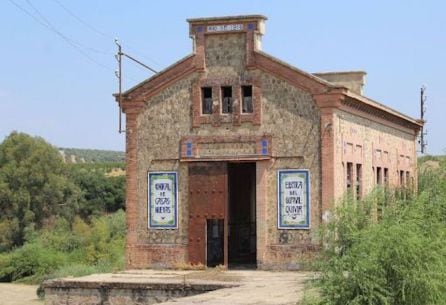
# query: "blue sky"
[64,93]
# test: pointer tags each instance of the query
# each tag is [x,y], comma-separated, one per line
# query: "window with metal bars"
[206,99]
[247,99]
[226,98]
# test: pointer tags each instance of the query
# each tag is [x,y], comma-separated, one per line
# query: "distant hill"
[77,155]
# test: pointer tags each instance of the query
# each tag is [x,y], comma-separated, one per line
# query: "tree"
[34,188]
[100,193]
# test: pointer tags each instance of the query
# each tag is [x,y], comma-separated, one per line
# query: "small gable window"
[206,98]
[246,99]
[226,98]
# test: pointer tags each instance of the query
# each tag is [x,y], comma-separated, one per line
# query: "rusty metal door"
[207,200]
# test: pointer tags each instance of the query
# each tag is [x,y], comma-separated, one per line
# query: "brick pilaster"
[328,103]
[131,181]
[199,60]
[261,211]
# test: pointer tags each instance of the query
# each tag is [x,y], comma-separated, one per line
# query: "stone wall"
[72,292]
[290,108]
[225,55]
[289,116]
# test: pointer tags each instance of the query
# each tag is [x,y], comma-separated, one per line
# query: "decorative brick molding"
[352,148]
[199,148]
[236,117]
[382,155]
[379,115]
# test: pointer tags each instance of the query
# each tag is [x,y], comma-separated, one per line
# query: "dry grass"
[115,172]
[187,266]
[18,294]
[213,274]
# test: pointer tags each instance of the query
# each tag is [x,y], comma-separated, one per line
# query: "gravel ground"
[18,294]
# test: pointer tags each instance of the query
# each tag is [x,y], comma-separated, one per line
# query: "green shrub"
[68,249]
[32,260]
[387,250]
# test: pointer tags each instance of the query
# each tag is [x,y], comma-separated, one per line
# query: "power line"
[101,33]
[43,21]
[66,9]
[54,29]
[58,33]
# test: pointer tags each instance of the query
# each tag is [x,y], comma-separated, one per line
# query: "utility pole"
[118,74]
[422,141]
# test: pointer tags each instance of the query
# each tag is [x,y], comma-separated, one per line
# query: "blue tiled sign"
[293,199]
[163,200]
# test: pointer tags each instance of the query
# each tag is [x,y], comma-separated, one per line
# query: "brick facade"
[306,122]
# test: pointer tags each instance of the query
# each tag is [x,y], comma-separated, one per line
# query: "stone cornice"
[382,110]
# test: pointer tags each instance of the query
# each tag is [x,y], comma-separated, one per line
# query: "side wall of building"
[382,151]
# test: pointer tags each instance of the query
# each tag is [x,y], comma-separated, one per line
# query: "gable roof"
[274,66]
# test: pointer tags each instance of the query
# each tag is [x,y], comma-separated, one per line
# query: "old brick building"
[235,157]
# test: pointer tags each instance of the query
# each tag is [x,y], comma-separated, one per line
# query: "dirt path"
[18,294]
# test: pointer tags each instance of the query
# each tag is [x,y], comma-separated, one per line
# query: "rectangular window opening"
[386,176]
[401,178]
[247,99]
[358,181]
[349,175]
[226,97]
[206,97]
[378,175]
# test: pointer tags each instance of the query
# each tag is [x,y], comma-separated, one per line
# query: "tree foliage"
[34,188]
[100,192]
[93,155]
[37,188]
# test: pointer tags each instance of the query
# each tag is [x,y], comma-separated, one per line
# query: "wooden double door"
[212,199]
[208,194]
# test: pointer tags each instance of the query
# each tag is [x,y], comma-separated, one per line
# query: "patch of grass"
[311,296]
